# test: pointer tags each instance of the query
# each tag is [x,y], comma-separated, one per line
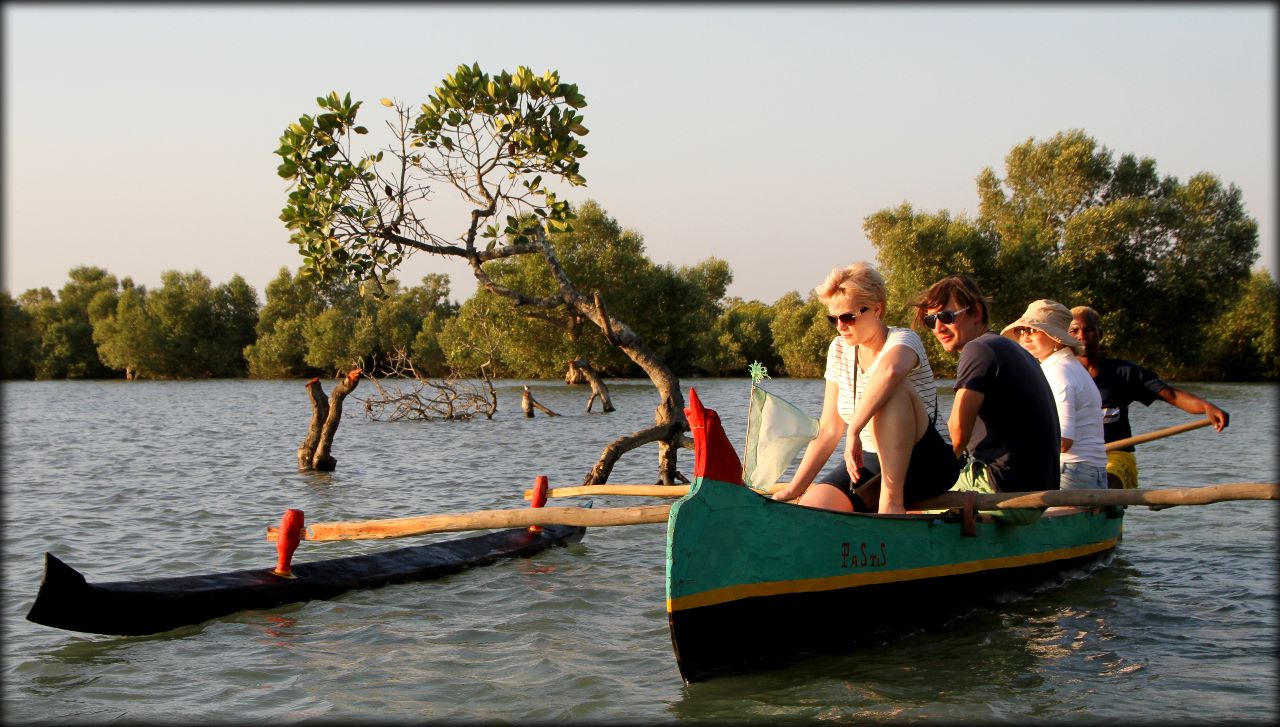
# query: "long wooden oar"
[481,520]
[1157,434]
[611,516]
[1099,498]
[620,489]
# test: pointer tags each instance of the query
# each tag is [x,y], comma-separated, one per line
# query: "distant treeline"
[1167,264]
[100,327]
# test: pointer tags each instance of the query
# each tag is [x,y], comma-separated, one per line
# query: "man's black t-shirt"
[1121,383]
[1017,433]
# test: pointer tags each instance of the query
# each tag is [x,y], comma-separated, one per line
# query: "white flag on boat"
[776,431]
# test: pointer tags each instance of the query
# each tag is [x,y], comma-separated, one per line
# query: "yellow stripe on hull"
[810,585]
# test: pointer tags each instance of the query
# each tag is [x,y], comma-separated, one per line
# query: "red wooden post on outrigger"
[539,498]
[290,536]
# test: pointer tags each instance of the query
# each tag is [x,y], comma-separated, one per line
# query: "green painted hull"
[751,581]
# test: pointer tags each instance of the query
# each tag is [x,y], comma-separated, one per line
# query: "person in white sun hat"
[1042,330]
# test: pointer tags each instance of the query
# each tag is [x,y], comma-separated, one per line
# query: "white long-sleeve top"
[1079,407]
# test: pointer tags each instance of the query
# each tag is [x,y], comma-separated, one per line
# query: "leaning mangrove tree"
[499,141]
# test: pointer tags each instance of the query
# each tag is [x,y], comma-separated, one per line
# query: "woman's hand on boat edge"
[786,492]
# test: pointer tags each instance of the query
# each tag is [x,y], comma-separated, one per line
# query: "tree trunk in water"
[661,434]
[598,389]
[669,421]
[528,404]
[319,411]
[314,452]
[573,376]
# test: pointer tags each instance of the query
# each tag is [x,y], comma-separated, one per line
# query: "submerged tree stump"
[528,404]
[314,452]
[598,389]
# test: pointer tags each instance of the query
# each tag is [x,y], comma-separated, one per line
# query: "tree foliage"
[598,254]
[1159,258]
[1242,343]
[913,247]
[355,214]
[65,348]
[126,339]
[186,328]
[279,348]
[310,327]
[673,308]
[235,316]
[741,334]
[491,138]
[684,305]
[801,335]
[18,339]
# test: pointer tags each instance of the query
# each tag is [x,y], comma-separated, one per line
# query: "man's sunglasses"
[946,316]
[847,318]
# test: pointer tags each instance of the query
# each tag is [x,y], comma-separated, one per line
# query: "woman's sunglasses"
[847,318]
[946,316]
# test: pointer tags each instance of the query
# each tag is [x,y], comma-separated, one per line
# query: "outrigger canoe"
[751,581]
[67,601]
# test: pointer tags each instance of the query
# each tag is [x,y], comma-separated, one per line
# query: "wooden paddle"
[1157,434]
[611,516]
[1099,498]
[643,490]
[481,520]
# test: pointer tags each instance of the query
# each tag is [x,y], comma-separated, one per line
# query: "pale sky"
[140,138]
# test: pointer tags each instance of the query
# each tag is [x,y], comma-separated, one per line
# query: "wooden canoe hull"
[752,581]
[67,601]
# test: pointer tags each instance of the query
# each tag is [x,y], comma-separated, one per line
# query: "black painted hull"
[129,608]
[769,631]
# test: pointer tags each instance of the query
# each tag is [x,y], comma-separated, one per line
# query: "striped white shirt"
[840,369]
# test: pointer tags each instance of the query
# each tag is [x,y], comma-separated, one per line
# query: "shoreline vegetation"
[101,327]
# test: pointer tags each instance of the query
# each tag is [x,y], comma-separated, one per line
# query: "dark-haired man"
[1121,383]
[1003,413]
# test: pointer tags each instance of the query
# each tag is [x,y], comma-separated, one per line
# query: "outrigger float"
[129,608]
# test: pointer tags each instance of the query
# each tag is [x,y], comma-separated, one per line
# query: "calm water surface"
[153,479]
